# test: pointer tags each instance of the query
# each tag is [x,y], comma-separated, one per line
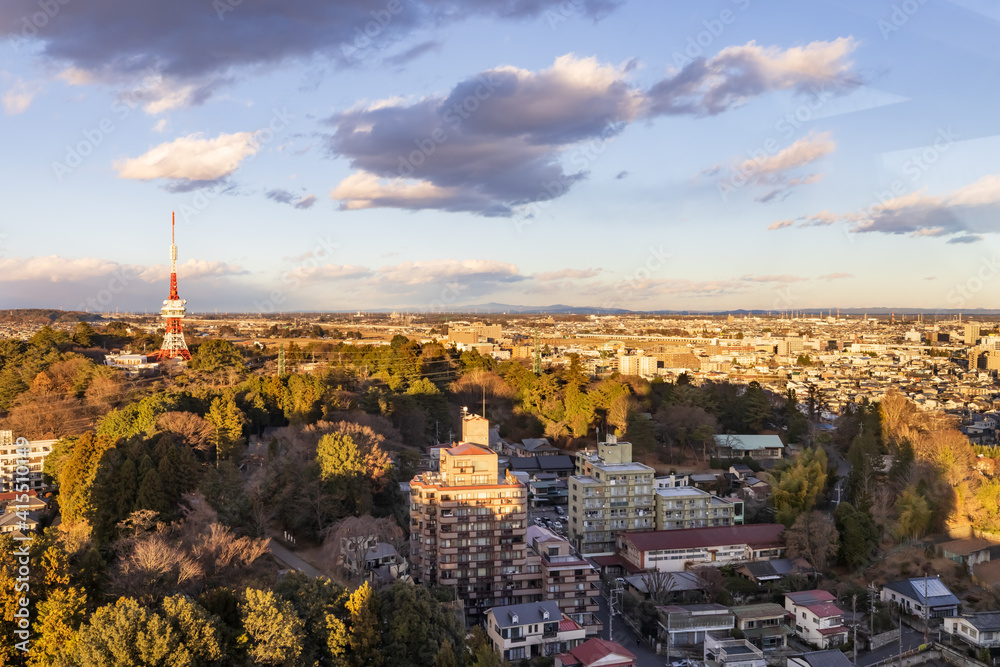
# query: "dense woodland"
[167,493]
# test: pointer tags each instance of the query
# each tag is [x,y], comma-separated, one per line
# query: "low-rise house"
[718,652]
[818,621]
[980,630]
[687,625]
[531,630]
[755,446]
[11,522]
[922,596]
[596,652]
[531,447]
[662,587]
[763,625]
[971,551]
[828,658]
[762,572]
[677,550]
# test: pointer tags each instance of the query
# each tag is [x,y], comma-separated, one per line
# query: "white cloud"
[191,158]
[566,274]
[20,96]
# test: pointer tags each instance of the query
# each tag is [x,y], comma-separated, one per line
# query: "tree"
[198,629]
[365,636]
[814,537]
[126,633]
[914,514]
[858,535]
[84,334]
[191,429]
[415,625]
[59,618]
[227,420]
[798,484]
[274,631]
[445,656]
[348,540]
[216,354]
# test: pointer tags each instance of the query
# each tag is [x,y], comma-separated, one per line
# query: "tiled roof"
[757,535]
[595,649]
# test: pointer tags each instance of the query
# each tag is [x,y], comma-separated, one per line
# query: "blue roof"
[938,594]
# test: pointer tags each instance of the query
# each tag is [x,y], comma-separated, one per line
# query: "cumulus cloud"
[198,45]
[56,269]
[567,274]
[777,171]
[285,197]
[19,97]
[191,158]
[963,214]
[510,137]
[706,87]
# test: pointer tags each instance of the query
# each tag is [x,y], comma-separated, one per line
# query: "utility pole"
[854,622]
[614,598]
[900,633]
[927,610]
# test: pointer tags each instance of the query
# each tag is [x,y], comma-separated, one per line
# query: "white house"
[981,629]
[533,629]
[818,621]
[922,596]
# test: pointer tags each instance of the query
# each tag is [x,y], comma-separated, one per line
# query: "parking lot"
[550,518]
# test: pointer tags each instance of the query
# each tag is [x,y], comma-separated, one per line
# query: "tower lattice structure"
[173,312]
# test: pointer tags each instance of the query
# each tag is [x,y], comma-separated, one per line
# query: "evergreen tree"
[60,615]
[274,631]
[227,420]
[365,635]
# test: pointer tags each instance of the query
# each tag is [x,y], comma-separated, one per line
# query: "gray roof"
[749,442]
[984,621]
[531,612]
[830,658]
[938,594]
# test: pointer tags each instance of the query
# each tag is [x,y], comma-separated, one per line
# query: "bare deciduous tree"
[813,537]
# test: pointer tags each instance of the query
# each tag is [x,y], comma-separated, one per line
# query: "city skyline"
[405,154]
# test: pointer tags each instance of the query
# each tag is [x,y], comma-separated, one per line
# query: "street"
[624,636]
[911,640]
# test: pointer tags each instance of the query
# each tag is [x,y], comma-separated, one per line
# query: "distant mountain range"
[562,309]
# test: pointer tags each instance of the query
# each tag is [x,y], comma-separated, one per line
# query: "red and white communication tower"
[173,312]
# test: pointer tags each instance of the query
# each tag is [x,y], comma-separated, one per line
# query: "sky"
[426,154]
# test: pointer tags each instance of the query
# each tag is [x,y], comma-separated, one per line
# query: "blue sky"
[646,155]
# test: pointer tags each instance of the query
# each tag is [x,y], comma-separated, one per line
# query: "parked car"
[557,525]
[560,511]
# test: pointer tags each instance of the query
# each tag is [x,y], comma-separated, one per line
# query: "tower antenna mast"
[173,310]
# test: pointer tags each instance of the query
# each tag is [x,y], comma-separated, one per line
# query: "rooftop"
[757,535]
[528,613]
[749,442]
[937,594]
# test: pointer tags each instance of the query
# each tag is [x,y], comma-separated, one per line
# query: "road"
[911,640]
[843,470]
[291,560]
[624,636]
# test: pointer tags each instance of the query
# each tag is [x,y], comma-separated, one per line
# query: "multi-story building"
[690,507]
[609,494]
[972,333]
[15,461]
[531,630]
[818,621]
[637,364]
[467,531]
[570,580]
[688,625]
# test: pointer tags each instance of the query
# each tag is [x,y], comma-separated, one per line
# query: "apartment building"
[818,621]
[468,529]
[531,630]
[637,364]
[609,494]
[690,507]
[570,580]
[20,462]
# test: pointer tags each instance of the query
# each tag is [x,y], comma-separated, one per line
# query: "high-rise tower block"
[173,312]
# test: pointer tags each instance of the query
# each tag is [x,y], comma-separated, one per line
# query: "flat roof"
[759,534]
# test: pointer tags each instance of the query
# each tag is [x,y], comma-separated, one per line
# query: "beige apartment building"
[12,460]
[690,507]
[570,580]
[467,531]
[609,494]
